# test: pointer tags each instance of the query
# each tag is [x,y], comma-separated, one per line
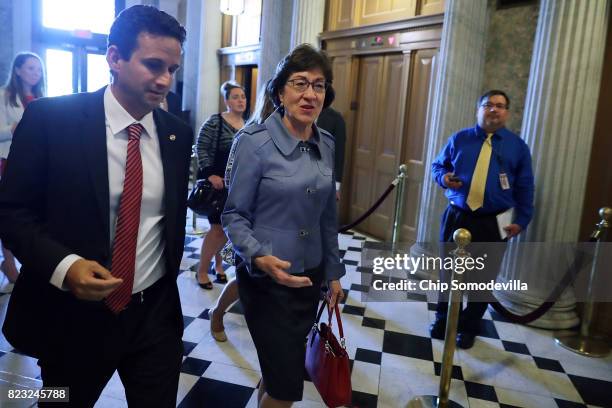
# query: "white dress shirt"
[150,258]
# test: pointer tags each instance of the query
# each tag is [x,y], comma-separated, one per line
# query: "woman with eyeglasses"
[281,218]
[26,83]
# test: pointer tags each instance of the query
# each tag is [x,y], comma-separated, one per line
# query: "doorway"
[71,37]
[391,111]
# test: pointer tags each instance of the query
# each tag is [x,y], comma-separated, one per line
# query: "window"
[248,23]
[95,16]
[71,37]
[243,29]
[59,72]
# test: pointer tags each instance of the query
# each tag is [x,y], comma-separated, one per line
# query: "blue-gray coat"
[282,198]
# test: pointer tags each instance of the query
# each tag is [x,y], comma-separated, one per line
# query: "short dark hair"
[226,88]
[302,58]
[491,93]
[137,19]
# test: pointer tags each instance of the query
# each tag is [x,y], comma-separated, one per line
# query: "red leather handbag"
[327,361]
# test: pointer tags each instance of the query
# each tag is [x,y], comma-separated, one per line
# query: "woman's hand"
[216,181]
[334,293]
[275,268]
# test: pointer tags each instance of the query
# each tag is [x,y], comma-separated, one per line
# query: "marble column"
[307,22]
[558,124]
[458,85]
[200,61]
[276,19]
[22,31]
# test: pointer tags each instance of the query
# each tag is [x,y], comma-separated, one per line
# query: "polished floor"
[393,358]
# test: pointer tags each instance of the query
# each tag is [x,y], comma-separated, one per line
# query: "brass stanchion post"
[583,342]
[194,217]
[399,204]
[462,238]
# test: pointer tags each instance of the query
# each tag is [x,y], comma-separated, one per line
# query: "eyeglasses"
[499,106]
[301,85]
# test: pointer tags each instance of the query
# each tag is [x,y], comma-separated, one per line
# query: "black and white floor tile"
[393,357]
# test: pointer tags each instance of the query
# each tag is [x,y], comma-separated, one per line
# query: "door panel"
[432,6]
[415,135]
[376,151]
[362,174]
[388,140]
[382,11]
[341,68]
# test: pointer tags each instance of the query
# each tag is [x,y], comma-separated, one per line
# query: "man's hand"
[275,268]
[13,127]
[513,230]
[88,280]
[216,181]
[451,181]
[334,293]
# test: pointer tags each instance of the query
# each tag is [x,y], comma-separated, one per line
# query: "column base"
[562,315]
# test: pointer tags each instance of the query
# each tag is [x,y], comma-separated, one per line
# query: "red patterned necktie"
[128,220]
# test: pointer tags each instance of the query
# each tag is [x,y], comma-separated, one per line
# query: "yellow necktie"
[479,178]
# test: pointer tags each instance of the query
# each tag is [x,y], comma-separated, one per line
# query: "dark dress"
[212,161]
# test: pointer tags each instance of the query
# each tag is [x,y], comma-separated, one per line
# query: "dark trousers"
[143,343]
[484,229]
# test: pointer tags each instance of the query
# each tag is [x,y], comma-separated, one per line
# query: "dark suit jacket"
[332,121]
[54,201]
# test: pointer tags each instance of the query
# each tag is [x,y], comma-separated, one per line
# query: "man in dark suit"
[332,121]
[93,205]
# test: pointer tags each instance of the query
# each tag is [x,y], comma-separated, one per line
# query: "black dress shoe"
[465,340]
[437,329]
[221,277]
[207,285]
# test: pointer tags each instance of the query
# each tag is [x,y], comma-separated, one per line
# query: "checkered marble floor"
[392,356]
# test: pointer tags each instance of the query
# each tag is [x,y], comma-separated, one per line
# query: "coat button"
[303,233]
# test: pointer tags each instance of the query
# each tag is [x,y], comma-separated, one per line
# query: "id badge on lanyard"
[503,181]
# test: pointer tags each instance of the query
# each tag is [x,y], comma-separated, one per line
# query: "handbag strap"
[329,316]
[219,134]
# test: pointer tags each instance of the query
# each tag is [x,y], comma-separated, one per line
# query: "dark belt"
[139,298]
[476,214]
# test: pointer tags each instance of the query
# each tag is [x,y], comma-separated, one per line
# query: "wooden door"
[345,68]
[377,139]
[383,11]
[340,14]
[364,146]
[415,135]
[432,7]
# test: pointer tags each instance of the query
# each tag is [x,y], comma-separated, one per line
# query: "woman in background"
[263,108]
[213,146]
[26,83]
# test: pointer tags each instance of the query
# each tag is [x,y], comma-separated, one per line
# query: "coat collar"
[500,133]
[281,137]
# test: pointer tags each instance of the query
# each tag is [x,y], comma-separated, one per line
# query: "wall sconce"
[232,7]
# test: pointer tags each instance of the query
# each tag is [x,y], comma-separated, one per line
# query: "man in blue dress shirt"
[485,170]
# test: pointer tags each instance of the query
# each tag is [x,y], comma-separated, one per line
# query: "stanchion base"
[430,401]
[587,346]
